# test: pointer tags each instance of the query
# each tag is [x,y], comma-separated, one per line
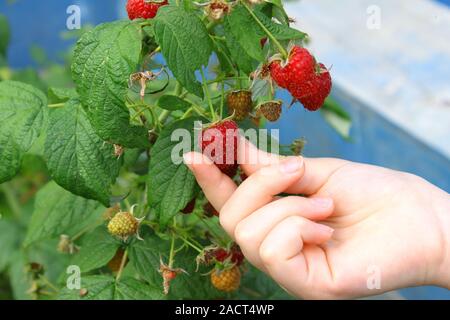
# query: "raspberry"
[209,210]
[189,207]
[271,110]
[226,280]
[217,9]
[298,69]
[318,88]
[123,225]
[219,143]
[240,103]
[308,82]
[144,9]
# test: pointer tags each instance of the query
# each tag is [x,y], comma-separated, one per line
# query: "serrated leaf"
[239,56]
[173,103]
[246,32]
[185,44]
[22,114]
[60,95]
[171,185]
[77,158]
[107,288]
[104,60]
[280,31]
[9,242]
[98,248]
[57,211]
[145,258]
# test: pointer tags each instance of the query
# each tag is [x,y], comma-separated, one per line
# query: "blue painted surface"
[41,23]
[375,140]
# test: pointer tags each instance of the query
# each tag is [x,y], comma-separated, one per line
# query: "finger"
[291,256]
[217,186]
[260,189]
[317,171]
[251,232]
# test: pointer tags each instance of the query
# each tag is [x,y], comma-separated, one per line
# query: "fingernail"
[322,202]
[325,229]
[291,165]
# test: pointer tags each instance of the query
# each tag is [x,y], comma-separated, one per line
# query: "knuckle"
[243,234]
[268,255]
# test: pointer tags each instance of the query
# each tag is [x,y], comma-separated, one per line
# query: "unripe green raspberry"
[123,225]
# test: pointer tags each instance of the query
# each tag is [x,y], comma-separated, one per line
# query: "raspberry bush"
[106,199]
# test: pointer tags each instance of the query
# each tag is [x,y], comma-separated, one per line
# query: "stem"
[208,96]
[122,265]
[211,229]
[269,34]
[222,102]
[172,251]
[189,243]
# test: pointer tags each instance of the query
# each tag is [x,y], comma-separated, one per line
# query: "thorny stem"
[189,243]
[172,246]
[218,237]
[208,96]
[269,34]
[122,265]
[222,102]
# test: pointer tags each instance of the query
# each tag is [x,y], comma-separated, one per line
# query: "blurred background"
[390,61]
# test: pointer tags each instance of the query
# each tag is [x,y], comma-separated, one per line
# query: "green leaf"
[60,95]
[280,31]
[106,288]
[239,56]
[172,103]
[57,211]
[4,35]
[171,185]
[337,118]
[98,248]
[104,60]
[20,280]
[145,258]
[9,242]
[185,44]
[22,114]
[246,32]
[77,158]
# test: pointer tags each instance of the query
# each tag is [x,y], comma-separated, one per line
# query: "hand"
[358,222]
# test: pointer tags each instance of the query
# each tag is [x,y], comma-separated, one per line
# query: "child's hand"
[385,223]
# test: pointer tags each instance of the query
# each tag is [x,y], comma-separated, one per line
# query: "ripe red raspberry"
[144,9]
[209,210]
[299,67]
[189,207]
[307,81]
[318,89]
[219,143]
